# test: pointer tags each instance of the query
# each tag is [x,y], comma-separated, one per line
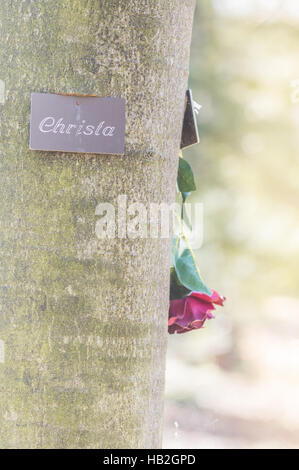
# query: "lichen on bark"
[83,322]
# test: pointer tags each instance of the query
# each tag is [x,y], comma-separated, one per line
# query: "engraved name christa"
[83,124]
[50,124]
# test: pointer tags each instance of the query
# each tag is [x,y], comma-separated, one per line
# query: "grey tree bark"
[83,325]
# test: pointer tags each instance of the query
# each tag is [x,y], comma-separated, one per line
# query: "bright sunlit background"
[235,383]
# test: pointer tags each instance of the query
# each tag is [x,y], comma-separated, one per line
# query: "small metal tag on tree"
[190,131]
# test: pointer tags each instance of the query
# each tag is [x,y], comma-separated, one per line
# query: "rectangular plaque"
[83,124]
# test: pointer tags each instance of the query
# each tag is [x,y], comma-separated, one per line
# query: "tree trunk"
[83,324]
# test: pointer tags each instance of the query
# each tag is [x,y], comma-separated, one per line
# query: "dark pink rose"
[192,311]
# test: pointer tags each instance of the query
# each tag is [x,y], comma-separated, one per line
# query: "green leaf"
[188,274]
[177,290]
[186,268]
[185,178]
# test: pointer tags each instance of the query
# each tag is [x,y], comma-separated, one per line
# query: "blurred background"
[235,383]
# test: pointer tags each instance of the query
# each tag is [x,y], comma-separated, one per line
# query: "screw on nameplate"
[190,131]
[2,355]
[77,123]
